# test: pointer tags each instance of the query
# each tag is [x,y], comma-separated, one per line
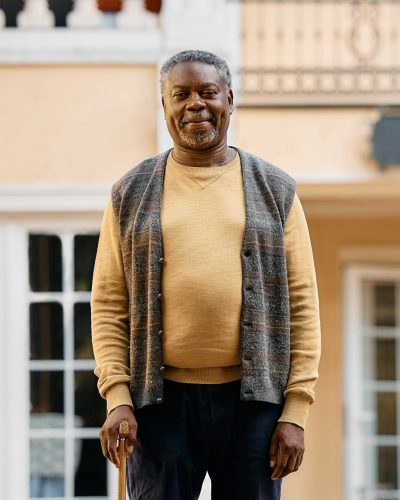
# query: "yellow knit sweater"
[203,220]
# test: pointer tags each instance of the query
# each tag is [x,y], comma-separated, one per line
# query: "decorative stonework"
[133,15]
[35,14]
[85,14]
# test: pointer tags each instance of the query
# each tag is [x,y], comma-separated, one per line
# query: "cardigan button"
[247,253]
[160,332]
[161,259]
[162,368]
[159,296]
[159,400]
[249,288]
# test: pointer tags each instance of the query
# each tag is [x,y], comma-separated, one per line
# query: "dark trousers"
[199,428]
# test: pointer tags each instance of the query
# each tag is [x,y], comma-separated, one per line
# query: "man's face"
[197,105]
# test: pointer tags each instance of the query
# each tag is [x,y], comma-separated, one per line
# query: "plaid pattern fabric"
[265,318]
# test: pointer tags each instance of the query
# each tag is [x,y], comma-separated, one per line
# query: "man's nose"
[195,101]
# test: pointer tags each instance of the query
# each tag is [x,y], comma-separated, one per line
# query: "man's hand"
[287,449]
[109,433]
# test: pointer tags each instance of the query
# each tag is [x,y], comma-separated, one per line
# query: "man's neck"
[220,155]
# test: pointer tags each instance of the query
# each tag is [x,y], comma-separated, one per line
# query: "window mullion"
[369,315]
[68,300]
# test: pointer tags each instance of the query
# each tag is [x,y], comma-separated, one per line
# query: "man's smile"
[197,125]
[196,120]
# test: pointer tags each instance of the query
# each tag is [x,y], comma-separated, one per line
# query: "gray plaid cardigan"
[265,317]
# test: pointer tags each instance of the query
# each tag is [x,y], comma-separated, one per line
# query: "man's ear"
[230,101]
[163,104]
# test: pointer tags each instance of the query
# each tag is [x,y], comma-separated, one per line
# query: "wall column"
[14,356]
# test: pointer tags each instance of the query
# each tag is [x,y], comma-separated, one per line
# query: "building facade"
[316,88]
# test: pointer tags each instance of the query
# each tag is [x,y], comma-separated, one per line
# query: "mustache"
[194,116]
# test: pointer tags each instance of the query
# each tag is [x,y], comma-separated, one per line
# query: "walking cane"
[123,430]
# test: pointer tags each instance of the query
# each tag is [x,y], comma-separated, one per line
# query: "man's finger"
[300,459]
[104,445]
[273,451]
[290,466]
[281,464]
[112,451]
[130,444]
[103,448]
[298,462]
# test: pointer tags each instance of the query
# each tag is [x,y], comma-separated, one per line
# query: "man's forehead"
[184,73]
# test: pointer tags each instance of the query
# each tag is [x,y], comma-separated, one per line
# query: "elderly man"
[205,311]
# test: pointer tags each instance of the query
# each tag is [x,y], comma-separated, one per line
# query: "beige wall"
[75,124]
[319,142]
[321,476]
[89,124]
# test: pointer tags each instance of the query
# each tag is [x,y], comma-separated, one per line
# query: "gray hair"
[199,56]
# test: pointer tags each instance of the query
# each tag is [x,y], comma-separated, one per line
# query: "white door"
[372,383]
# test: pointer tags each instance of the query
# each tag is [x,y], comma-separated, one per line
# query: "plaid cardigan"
[265,316]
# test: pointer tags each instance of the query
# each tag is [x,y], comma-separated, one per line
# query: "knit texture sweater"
[203,220]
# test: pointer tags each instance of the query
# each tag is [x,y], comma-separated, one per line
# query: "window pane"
[91,473]
[47,468]
[85,249]
[45,266]
[387,414]
[385,359]
[88,403]
[46,330]
[384,298]
[82,331]
[387,468]
[47,399]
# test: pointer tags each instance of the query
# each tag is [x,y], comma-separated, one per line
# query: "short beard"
[200,138]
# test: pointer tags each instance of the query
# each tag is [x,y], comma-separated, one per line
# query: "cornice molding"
[329,199]
[25,198]
[67,45]
[351,199]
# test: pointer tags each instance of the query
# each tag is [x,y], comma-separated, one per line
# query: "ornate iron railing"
[320,52]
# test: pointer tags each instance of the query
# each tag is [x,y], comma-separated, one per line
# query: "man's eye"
[209,93]
[179,95]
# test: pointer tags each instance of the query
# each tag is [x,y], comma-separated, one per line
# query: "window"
[373,384]
[66,411]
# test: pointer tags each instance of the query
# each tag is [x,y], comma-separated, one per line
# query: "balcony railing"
[320,52]
[78,31]
[75,14]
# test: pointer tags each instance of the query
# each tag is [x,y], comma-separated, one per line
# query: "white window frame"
[68,365]
[354,275]
[25,210]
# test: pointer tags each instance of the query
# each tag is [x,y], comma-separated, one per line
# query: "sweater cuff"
[118,395]
[295,410]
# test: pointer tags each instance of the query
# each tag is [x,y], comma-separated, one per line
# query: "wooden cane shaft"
[123,430]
